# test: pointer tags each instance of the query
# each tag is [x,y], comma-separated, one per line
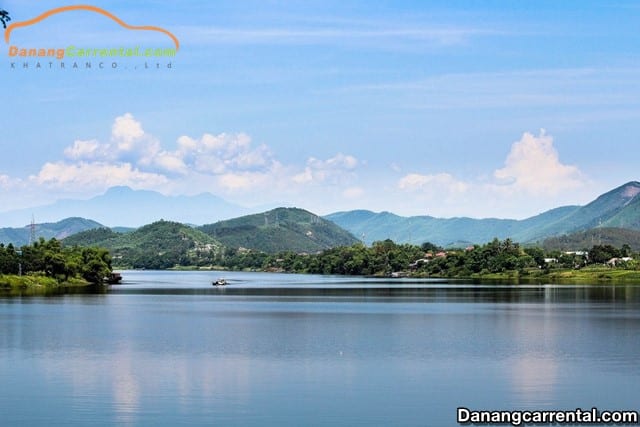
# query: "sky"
[467,108]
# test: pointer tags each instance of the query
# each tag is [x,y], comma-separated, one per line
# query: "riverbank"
[37,285]
[586,275]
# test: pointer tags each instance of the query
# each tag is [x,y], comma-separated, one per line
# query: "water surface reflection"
[167,348]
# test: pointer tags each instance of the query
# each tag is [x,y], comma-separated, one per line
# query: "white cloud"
[7,182]
[251,159]
[210,154]
[230,164]
[126,131]
[170,162]
[95,175]
[304,177]
[333,170]
[223,153]
[339,161]
[533,166]
[91,149]
[130,143]
[441,182]
[532,180]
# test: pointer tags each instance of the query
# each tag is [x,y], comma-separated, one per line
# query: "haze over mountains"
[288,228]
[122,206]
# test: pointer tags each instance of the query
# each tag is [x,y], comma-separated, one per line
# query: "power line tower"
[32,231]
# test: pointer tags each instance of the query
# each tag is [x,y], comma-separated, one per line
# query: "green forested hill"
[162,244]
[98,237]
[61,229]
[278,230]
[166,244]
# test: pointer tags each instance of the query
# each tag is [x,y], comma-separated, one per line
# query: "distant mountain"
[162,244]
[613,208]
[617,208]
[447,232]
[292,229]
[615,237]
[281,229]
[122,206]
[61,229]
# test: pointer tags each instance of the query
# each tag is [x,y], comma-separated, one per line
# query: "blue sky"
[468,108]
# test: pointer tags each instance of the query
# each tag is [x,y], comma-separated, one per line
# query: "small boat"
[219,282]
[114,279]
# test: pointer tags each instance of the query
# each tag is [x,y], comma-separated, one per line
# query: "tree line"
[386,257]
[51,259]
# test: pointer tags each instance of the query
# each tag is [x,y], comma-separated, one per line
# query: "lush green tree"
[50,258]
[430,247]
[9,260]
[96,264]
[537,254]
[600,254]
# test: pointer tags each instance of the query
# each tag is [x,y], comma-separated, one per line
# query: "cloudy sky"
[467,108]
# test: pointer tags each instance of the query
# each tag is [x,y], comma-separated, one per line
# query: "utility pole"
[32,231]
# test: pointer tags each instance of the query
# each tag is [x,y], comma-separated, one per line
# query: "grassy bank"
[587,275]
[37,284]
[595,274]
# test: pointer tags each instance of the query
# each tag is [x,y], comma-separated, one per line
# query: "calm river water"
[167,348]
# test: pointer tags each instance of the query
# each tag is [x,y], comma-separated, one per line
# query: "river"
[168,348]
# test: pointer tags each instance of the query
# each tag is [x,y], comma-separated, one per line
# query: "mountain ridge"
[287,228]
[620,206]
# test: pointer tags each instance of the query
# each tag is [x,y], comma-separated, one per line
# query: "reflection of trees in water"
[489,292]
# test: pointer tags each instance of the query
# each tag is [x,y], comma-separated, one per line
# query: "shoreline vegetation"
[48,267]
[38,284]
[587,275]
[498,260]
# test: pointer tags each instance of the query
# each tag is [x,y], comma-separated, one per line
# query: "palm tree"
[4,17]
